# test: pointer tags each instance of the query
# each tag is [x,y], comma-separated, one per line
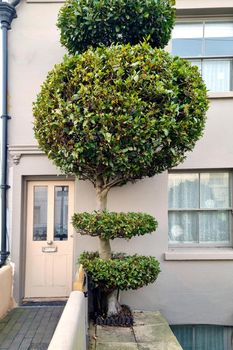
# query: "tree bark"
[101,204]
[113,305]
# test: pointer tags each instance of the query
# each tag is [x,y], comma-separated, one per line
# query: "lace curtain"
[199,207]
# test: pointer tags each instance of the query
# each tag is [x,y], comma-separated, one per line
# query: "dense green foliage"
[110,225]
[85,23]
[120,113]
[121,272]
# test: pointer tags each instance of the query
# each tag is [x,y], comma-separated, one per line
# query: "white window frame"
[229,209]
[202,58]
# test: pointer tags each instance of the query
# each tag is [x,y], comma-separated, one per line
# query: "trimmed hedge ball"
[122,112]
[85,23]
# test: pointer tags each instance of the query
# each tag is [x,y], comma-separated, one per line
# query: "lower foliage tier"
[121,272]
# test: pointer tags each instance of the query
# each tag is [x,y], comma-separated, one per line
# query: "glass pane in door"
[40,206]
[61,194]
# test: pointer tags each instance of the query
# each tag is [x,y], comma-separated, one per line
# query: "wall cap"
[221,254]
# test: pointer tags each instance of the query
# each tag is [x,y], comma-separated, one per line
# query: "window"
[200,208]
[204,337]
[208,45]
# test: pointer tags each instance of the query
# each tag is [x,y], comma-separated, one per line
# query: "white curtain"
[194,191]
[183,194]
[216,74]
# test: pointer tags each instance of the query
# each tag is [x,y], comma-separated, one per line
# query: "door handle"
[49,242]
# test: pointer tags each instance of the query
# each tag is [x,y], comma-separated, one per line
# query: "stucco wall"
[6,300]
[192,291]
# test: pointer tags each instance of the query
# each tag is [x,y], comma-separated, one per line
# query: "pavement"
[149,332]
[32,328]
[29,327]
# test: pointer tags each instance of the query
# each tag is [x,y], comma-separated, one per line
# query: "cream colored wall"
[6,286]
[189,4]
[34,49]
[192,291]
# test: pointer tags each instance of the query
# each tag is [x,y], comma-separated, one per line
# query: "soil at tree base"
[123,319]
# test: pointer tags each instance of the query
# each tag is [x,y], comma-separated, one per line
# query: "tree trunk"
[113,305]
[105,247]
[101,204]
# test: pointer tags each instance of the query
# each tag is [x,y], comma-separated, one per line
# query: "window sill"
[220,254]
[45,1]
[217,95]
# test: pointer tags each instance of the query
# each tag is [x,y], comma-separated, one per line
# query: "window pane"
[216,74]
[183,227]
[218,38]
[203,337]
[209,337]
[40,213]
[218,29]
[214,226]
[183,191]
[214,190]
[61,213]
[187,47]
[187,30]
[187,39]
[184,335]
[218,47]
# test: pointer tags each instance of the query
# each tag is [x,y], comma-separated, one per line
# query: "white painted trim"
[217,95]
[24,149]
[199,255]
[17,151]
[71,331]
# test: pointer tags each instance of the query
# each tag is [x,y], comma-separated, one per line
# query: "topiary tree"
[112,115]
[86,23]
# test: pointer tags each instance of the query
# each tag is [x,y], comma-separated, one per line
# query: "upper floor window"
[209,45]
[200,208]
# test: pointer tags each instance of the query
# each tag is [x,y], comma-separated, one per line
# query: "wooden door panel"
[49,248]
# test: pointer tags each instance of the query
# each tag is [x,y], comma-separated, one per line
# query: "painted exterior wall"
[6,285]
[193,291]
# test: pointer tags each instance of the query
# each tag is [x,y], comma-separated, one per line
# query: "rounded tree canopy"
[120,113]
[121,272]
[85,23]
[110,225]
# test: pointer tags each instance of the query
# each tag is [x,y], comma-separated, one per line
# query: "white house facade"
[192,203]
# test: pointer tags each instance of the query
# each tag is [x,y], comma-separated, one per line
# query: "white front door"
[49,247]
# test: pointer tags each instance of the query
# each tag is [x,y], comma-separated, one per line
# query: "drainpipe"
[7,14]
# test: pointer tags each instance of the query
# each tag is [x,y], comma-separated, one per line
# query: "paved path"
[149,332]
[29,328]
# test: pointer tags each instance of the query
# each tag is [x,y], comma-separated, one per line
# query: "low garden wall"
[71,331]
[6,285]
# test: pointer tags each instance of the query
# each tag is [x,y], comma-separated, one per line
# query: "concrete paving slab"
[159,346]
[152,333]
[116,346]
[114,334]
[147,317]
[149,332]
